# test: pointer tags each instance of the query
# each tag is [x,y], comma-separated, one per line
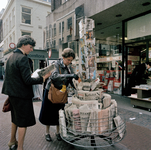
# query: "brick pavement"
[137,137]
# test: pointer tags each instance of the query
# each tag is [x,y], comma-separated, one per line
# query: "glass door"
[137,55]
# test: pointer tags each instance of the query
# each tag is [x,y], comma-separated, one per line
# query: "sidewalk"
[137,137]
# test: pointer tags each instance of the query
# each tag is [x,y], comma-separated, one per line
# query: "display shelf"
[142,98]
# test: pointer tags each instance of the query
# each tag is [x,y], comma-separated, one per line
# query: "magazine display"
[91,111]
[87,53]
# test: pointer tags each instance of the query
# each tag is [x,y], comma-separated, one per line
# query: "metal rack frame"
[94,140]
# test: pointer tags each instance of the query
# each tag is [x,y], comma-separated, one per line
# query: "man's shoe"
[48,137]
[58,137]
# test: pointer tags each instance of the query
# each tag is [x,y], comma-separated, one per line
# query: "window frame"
[69,23]
[29,33]
[54,29]
[62,26]
[25,13]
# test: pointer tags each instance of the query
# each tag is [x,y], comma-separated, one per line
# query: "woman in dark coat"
[49,114]
[18,86]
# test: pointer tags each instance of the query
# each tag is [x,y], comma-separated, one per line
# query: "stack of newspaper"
[46,70]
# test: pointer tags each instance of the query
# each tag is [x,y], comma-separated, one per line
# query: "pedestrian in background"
[49,114]
[18,86]
[148,66]
[138,76]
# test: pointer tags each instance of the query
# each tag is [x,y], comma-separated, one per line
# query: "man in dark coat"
[18,86]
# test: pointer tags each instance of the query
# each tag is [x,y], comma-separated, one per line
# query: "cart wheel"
[149,109]
[134,106]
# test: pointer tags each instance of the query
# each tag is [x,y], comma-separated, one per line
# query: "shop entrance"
[137,55]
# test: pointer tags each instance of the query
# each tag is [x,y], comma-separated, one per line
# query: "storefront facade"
[119,54]
[118,51]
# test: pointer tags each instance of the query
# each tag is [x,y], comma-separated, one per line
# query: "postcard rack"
[93,133]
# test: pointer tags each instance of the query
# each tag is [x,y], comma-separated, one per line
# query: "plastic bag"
[37,88]
[38,91]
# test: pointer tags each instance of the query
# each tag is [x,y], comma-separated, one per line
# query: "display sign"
[49,53]
[139,27]
[12,45]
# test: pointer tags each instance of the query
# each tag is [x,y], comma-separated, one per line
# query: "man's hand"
[46,76]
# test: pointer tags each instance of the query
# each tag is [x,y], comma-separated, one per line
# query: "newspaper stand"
[94,139]
[99,127]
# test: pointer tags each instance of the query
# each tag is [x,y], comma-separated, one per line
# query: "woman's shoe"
[10,144]
[48,137]
[58,137]
[14,147]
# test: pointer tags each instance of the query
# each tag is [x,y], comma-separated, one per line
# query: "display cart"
[91,121]
[102,132]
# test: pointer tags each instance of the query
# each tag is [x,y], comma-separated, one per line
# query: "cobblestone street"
[138,130]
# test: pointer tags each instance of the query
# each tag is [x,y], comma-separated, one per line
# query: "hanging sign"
[49,53]
[12,45]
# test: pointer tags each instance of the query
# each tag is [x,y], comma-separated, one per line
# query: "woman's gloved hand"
[75,76]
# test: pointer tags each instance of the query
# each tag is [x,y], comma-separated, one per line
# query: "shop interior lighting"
[125,38]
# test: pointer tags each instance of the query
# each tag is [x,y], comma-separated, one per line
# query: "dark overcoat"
[18,86]
[49,114]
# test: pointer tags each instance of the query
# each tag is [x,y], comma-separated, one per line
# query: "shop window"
[26,15]
[26,33]
[54,29]
[69,23]
[104,50]
[62,26]
[6,26]
[54,43]
[63,1]
[60,41]
[47,1]
[69,38]
[47,44]
[13,17]
[10,22]
[47,33]
[50,30]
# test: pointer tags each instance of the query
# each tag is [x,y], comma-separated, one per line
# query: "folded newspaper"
[46,70]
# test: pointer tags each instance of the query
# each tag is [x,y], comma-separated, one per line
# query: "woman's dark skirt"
[49,114]
[22,112]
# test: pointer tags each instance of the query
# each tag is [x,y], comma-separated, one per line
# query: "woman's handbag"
[6,106]
[57,96]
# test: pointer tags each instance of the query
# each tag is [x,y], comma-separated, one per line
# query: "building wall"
[62,12]
[90,7]
[1,31]
[13,16]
